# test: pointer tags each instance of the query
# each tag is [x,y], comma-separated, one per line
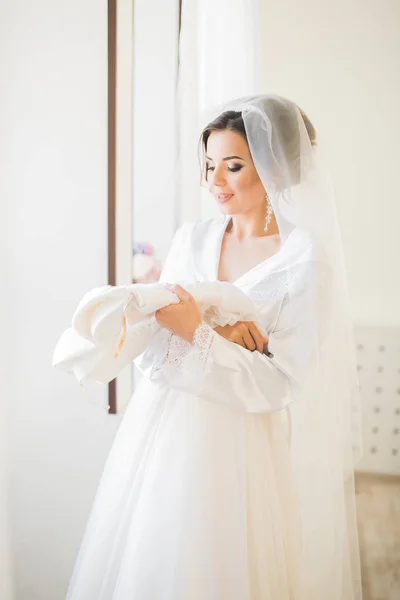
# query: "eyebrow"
[227,158]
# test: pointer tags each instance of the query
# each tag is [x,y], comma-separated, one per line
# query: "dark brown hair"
[289,133]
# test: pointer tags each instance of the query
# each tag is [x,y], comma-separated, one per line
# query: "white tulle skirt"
[195,503]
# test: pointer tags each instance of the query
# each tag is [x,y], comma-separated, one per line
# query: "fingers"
[230,333]
[183,295]
[242,336]
[236,338]
[159,316]
[257,336]
[251,337]
[249,340]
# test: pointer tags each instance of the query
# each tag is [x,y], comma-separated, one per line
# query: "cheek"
[247,183]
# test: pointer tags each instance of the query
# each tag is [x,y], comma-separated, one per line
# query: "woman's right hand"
[244,333]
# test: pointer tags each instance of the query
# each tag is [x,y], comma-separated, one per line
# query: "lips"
[223,197]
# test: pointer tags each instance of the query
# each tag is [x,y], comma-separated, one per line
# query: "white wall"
[55,91]
[340,62]
[6,324]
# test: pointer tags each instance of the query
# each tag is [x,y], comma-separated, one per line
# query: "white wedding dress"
[196,501]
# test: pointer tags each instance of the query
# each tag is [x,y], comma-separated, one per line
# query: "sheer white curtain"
[219,59]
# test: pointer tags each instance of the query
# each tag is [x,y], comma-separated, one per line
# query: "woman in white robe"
[200,498]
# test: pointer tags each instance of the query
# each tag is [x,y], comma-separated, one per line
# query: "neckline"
[246,273]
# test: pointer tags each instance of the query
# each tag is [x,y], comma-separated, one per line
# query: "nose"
[218,177]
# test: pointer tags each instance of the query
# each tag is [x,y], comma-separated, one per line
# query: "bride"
[231,474]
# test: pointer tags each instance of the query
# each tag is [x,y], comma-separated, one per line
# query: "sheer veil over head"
[325,412]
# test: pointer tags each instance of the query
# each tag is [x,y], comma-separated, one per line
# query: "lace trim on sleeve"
[184,361]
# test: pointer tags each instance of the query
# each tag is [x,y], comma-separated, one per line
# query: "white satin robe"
[196,499]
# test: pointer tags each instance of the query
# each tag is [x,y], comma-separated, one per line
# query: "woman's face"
[231,175]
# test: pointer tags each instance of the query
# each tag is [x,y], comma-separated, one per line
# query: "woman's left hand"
[183,318]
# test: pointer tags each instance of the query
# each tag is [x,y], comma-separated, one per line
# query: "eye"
[235,168]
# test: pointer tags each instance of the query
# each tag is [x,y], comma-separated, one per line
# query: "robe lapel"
[205,248]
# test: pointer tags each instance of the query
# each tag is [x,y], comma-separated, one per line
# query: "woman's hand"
[183,318]
[244,333]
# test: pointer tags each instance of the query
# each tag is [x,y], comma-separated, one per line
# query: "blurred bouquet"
[145,266]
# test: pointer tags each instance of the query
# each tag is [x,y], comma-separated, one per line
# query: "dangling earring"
[269,213]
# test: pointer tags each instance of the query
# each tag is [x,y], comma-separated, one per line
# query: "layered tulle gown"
[197,499]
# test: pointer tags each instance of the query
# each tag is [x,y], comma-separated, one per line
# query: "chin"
[226,208]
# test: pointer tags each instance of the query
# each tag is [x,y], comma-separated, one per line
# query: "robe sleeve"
[221,371]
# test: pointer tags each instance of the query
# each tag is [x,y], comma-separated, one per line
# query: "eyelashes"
[233,169]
